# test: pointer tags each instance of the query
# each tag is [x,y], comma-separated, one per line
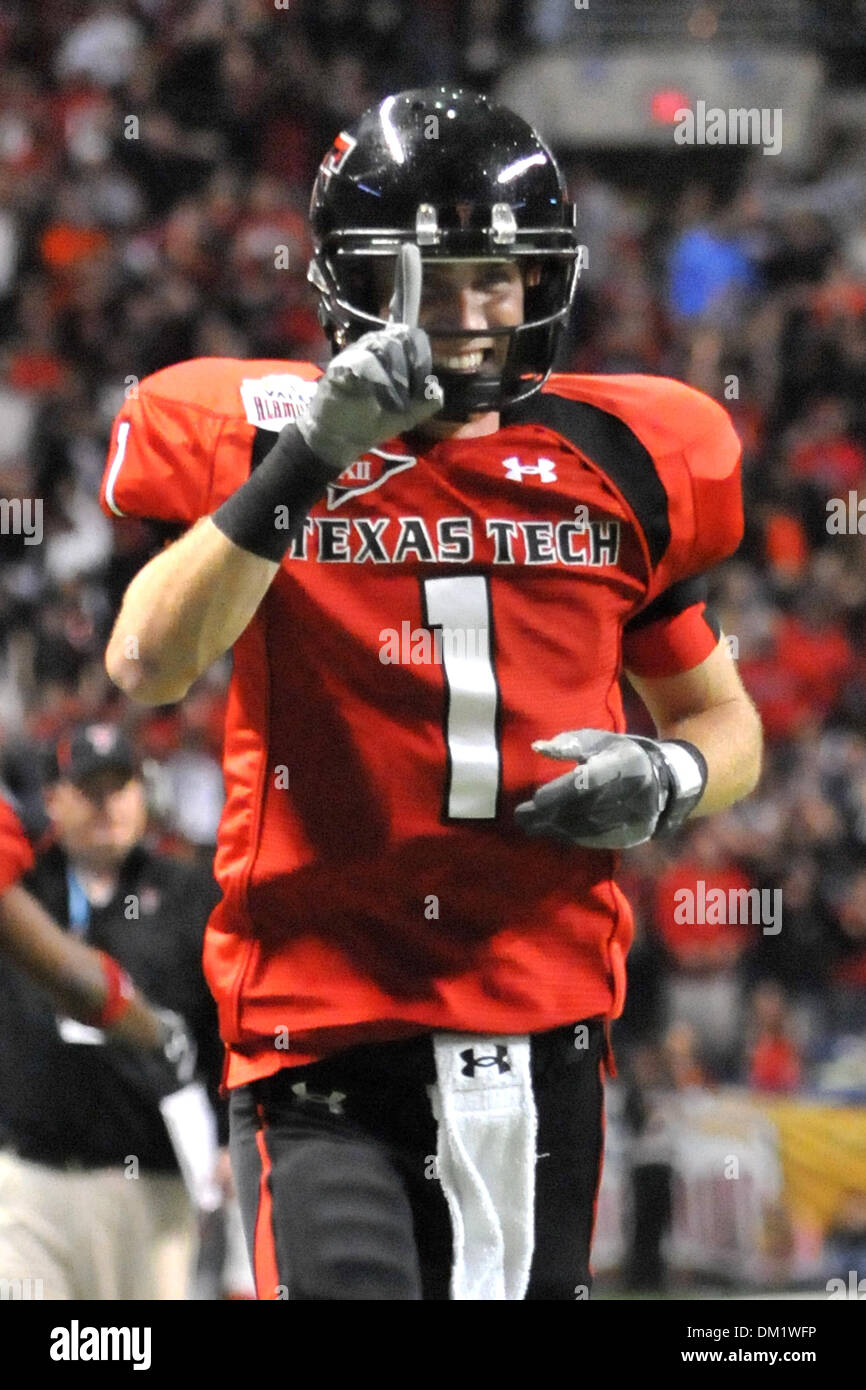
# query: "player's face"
[100,822]
[466,296]
[472,296]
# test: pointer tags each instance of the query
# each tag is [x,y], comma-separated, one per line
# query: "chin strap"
[467,393]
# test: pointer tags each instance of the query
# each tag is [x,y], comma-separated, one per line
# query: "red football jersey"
[440,611]
[16,854]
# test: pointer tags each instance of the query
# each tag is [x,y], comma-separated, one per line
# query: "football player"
[433,561]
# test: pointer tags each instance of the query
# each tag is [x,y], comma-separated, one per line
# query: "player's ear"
[532,275]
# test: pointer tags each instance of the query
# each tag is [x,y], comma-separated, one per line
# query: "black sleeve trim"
[675,600]
[263,442]
[609,443]
[166,532]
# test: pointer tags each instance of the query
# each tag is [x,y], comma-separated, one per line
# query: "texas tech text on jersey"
[455,540]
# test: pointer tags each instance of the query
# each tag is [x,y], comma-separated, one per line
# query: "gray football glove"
[381,385]
[624,790]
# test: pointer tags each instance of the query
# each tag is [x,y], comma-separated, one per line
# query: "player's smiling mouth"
[469,359]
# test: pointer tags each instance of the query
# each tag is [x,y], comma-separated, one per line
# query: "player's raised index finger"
[406,299]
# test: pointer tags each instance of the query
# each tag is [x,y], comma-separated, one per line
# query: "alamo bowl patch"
[272,401]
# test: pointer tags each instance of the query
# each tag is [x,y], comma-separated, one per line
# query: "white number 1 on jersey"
[460,607]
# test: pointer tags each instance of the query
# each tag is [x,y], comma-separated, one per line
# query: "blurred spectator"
[681,1057]
[845,1243]
[848,993]
[102,47]
[796,959]
[823,453]
[709,270]
[194,773]
[774,1059]
[698,915]
[650,1114]
[91,1198]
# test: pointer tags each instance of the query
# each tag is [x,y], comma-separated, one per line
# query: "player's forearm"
[182,611]
[730,738]
[190,604]
[72,972]
[709,707]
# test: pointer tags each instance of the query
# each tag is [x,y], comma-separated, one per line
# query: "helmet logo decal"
[337,155]
[515,471]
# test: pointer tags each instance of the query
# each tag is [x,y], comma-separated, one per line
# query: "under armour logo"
[515,471]
[500,1060]
[334,1101]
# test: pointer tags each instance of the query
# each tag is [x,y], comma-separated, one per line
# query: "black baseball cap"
[89,749]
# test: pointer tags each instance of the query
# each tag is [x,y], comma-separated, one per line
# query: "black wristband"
[267,512]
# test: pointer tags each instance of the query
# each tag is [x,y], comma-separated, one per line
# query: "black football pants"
[335,1169]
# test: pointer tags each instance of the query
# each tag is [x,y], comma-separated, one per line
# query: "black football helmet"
[461,178]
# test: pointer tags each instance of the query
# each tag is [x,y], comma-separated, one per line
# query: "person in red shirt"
[699,941]
[430,561]
[824,454]
[706,912]
[773,1060]
[801,670]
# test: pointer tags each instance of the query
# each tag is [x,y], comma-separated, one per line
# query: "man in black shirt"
[91,1199]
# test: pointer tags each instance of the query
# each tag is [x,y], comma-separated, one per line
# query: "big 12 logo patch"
[366,473]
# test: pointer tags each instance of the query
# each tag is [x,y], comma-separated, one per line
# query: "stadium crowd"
[155,166]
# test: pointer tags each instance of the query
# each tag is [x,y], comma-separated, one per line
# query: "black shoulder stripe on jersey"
[164,533]
[675,600]
[615,448]
[263,442]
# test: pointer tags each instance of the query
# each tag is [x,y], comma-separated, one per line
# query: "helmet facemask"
[350,280]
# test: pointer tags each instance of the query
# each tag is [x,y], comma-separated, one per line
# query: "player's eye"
[494,278]
[435,290]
